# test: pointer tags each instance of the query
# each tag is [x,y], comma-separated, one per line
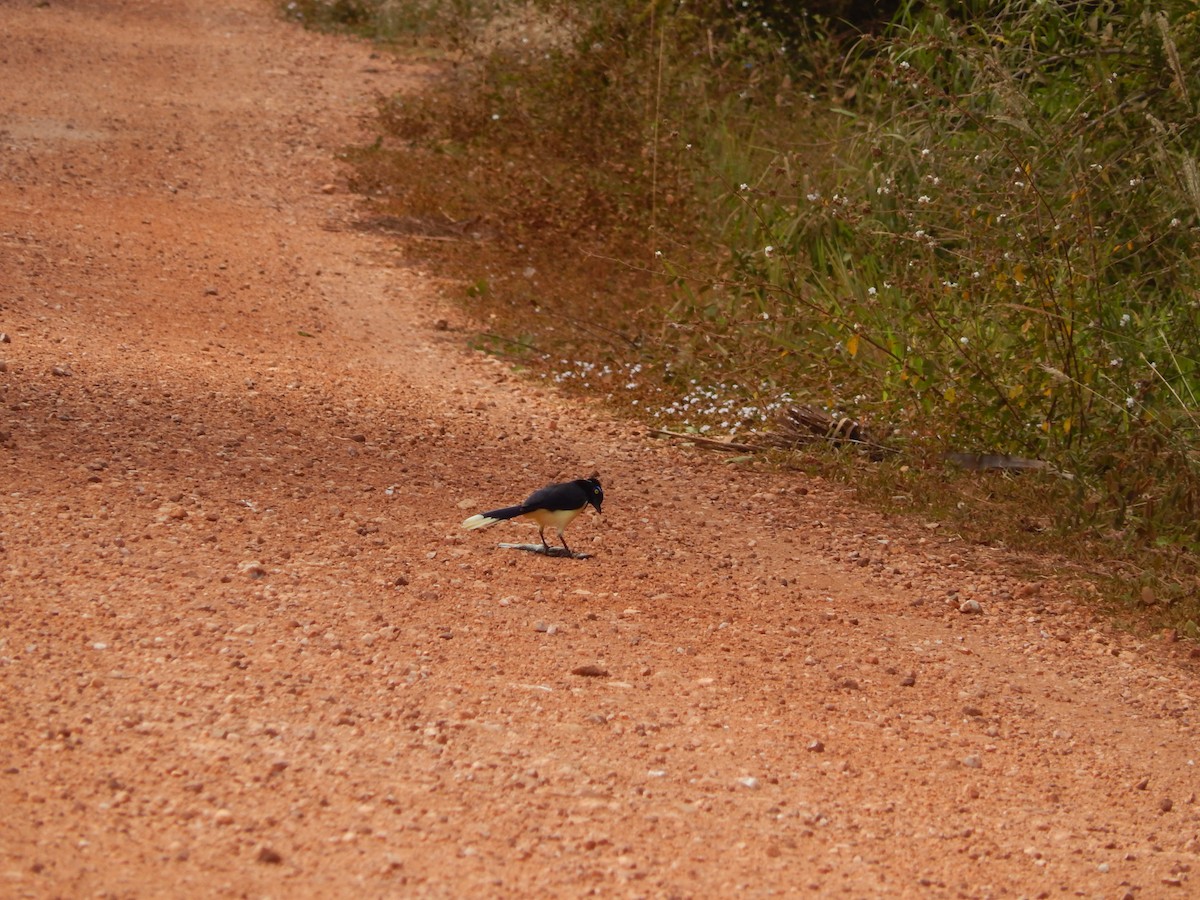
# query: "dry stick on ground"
[797,425]
[708,443]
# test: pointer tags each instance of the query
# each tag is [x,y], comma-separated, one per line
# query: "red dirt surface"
[246,649]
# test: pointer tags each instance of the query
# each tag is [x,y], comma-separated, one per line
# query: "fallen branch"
[805,425]
[977,462]
[797,425]
[707,443]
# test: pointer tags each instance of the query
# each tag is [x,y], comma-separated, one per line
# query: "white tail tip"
[478,522]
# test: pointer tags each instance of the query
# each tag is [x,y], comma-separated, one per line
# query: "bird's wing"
[567,495]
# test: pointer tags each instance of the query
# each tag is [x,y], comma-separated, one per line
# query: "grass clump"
[973,225]
[997,252]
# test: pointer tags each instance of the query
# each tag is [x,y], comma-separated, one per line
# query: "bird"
[554,506]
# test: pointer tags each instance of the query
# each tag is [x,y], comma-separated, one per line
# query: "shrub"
[996,248]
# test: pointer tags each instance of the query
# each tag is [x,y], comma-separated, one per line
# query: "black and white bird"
[554,506]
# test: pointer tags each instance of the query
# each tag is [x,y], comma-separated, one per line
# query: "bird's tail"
[483,520]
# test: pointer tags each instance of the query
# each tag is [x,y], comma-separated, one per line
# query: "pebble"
[1165,804]
[590,671]
[268,855]
[749,782]
[252,569]
[970,607]
[815,747]
[972,762]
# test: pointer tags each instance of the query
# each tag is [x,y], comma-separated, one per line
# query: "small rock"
[60,372]
[1143,784]
[328,188]
[908,680]
[252,569]
[223,817]
[970,607]
[973,762]
[749,782]
[590,671]
[1147,597]
[815,747]
[211,291]
[269,855]
[972,711]
[358,438]
[4,338]
[1165,804]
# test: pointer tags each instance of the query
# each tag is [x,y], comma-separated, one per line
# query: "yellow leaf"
[1019,273]
[1067,425]
[949,394]
[852,345]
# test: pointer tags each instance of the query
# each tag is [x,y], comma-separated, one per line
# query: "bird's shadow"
[544,551]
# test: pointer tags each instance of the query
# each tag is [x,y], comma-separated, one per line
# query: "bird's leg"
[542,535]
[564,543]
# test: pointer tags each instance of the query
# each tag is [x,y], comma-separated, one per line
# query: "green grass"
[975,229]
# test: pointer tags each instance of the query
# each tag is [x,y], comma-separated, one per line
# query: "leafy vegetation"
[973,224]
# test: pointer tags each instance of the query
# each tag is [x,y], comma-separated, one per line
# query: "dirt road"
[246,650]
